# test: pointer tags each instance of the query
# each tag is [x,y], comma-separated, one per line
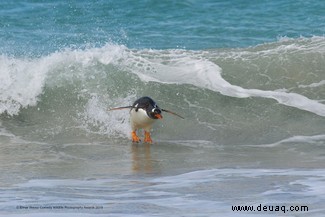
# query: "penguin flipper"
[120,108]
[173,113]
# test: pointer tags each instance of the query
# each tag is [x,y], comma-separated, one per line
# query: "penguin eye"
[156,110]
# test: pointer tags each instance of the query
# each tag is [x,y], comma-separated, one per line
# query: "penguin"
[143,113]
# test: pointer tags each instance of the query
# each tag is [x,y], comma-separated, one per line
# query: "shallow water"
[166,178]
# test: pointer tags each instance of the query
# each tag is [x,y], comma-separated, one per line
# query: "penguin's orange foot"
[135,138]
[147,137]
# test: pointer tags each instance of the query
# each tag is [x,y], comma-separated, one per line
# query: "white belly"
[140,120]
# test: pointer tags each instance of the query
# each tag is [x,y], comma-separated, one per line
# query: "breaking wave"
[247,92]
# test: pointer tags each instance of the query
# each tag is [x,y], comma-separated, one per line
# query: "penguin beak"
[158,116]
[156,113]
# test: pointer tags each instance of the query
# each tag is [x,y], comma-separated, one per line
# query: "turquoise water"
[46,26]
[248,76]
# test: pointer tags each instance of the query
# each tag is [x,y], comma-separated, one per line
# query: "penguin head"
[155,113]
[152,109]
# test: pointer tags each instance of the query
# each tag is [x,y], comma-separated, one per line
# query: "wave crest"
[221,91]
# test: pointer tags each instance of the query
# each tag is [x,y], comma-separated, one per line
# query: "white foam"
[21,82]
[312,44]
[295,139]
[317,84]
[113,123]
[187,67]
[315,186]
[205,192]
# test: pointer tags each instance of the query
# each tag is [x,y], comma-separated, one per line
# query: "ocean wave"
[72,88]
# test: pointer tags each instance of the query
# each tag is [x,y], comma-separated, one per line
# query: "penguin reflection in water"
[144,112]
